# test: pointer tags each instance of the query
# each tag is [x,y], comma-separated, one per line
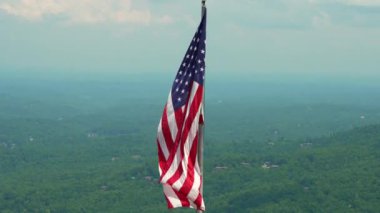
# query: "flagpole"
[201,128]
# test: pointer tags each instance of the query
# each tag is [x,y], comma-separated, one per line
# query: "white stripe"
[172,197]
[168,190]
[176,162]
[159,169]
[173,167]
[194,192]
[178,184]
[171,117]
[192,204]
[203,205]
[161,141]
[194,90]
[187,148]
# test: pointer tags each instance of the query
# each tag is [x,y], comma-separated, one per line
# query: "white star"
[184,64]
[181,82]
[203,51]
[176,80]
[199,61]
[192,57]
[183,91]
[187,56]
[201,70]
[177,89]
[196,71]
[180,72]
[191,47]
[198,40]
[186,83]
[195,48]
[190,75]
[179,99]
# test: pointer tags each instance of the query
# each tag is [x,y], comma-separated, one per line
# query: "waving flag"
[178,130]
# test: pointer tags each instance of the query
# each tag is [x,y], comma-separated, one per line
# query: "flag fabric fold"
[178,129]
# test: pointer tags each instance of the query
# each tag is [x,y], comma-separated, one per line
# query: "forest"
[89,146]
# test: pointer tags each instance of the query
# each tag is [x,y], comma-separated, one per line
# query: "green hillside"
[340,173]
[110,172]
[80,146]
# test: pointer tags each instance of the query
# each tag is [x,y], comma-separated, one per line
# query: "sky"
[244,37]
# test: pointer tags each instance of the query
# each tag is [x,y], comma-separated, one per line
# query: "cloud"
[321,20]
[166,19]
[367,3]
[299,14]
[79,11]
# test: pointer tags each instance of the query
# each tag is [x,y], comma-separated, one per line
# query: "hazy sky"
[244,36]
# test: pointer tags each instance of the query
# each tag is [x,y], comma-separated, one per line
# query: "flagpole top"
[203,3]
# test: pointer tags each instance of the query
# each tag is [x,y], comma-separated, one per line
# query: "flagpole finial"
[203,2]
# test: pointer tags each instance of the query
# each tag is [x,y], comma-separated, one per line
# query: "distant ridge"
[359,135]
[337,173]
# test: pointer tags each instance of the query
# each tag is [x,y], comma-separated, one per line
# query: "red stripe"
[184,201]
[198,201]
[184,123]
[183,135]
[179,116]
[161,157]
[176,175]
[170,205]
[194,108]
[189,120]
[188,184]
[166,130]
[201,119]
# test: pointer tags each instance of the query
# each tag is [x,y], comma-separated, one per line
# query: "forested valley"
[78,146]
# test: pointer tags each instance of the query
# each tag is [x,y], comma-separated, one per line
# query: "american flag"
[178,130]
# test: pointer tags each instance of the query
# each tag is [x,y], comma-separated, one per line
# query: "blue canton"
[192,67]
